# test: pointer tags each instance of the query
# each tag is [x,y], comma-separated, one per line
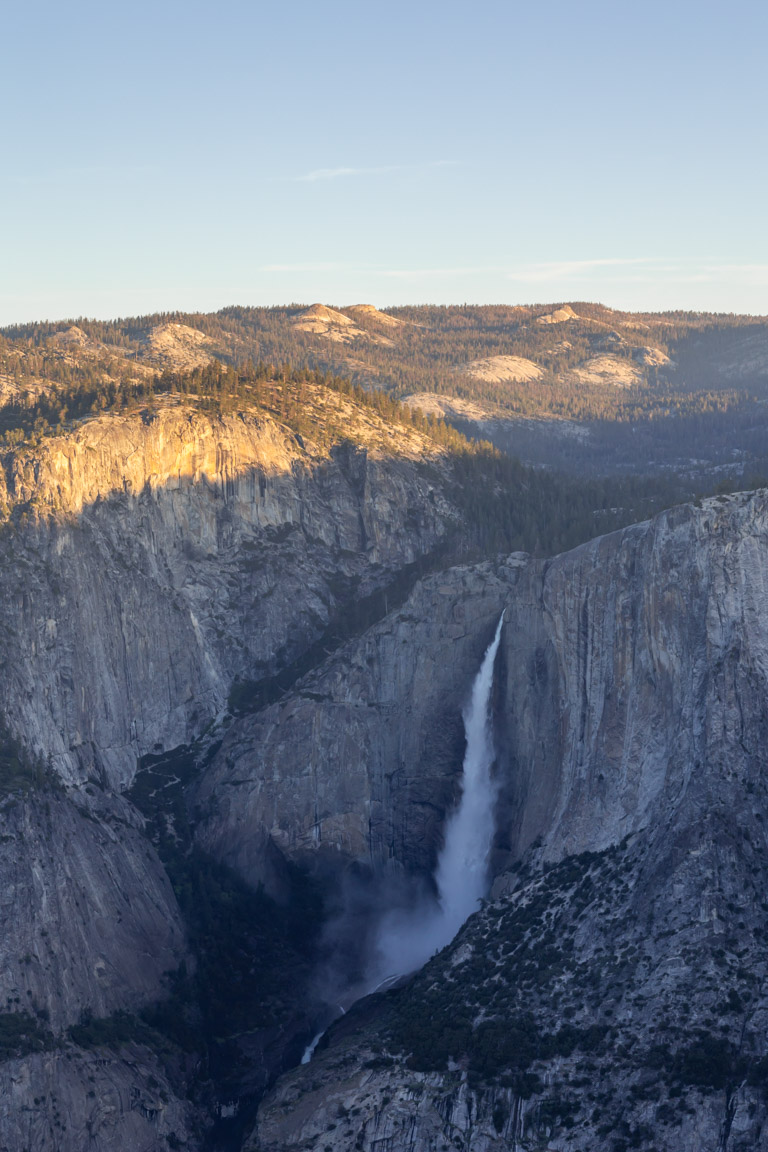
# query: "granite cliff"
[609,690]
[152,560]
[222,593]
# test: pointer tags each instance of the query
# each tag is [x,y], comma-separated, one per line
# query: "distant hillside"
[645,393]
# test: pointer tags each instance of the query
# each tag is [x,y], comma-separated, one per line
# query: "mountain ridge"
[603,369]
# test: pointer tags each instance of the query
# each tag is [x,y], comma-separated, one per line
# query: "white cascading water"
[462,868]
[406,940]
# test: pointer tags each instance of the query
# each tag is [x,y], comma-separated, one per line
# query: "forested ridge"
[505,505]
[690,410]
[430,343]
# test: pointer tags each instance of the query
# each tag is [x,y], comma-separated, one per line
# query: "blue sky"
[188,155]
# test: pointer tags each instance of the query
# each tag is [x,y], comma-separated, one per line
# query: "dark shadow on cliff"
[241,1006]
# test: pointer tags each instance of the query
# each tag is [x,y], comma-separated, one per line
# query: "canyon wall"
[159,567]
[612,993]
[152,560]
[625,666]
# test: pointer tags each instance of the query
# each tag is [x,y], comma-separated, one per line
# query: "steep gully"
[405,939]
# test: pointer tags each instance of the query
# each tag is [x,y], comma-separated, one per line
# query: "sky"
[188,156]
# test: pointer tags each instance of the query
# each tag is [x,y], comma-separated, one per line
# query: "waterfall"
[406,940]
[462,867]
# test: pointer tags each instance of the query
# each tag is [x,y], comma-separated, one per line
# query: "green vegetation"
[354,617]
[660,426]
[21,1034]
[508,507]
[251,957]
[54,410]
[281,391]
[483,1011]
[111,1031]
[530,990]
[432,342]
[554,992]
[709,1061]
[19,771]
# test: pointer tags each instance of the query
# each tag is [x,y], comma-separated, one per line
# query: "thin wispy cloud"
[327,267]
[758,270]
[338,173]
[557,277]
[377,270]
[418,273]
[636,270]
[320,174]
[562,269]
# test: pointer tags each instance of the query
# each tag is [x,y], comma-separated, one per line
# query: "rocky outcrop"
[90,928]
[559,316]
[152,560]
[70,1100]
[635,675]
[177,347]
[90,922]
[500,369]
[614,1000]
[597,1005]
[319,320]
